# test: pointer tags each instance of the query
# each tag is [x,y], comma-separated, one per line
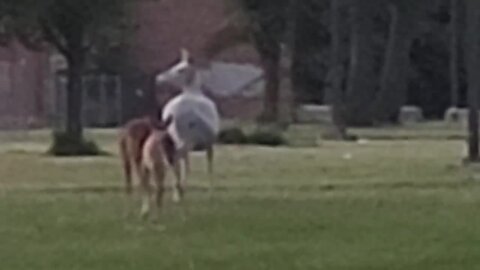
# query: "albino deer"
[196,121]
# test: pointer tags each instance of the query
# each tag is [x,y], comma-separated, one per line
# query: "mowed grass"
[381,205]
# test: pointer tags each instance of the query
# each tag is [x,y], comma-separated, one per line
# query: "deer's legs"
[160,188]
[179,171]
[187,163]
[146,193]
[210,167]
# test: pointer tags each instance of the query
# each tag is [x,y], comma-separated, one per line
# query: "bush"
[267,138]
[232,136]
[333,136]
[65,145]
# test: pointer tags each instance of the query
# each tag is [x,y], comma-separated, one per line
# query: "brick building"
[23,87]
[166,26]
[163,28]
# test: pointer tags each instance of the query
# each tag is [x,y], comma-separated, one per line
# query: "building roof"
[166,26]
[231,79]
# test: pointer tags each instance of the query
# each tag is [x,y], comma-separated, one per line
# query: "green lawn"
[393,205]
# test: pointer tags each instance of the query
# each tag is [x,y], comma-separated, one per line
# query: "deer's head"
[182,74]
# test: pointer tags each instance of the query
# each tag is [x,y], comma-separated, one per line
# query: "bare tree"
[335,90]
[473,61]
[262,24]
[454,53]
[75,29]
[393,86]
[362,77]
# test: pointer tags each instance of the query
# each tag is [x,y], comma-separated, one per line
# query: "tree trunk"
[335,91]
[362,77]
[74,125]
[289,98]
[473,60]
[394,81]
[454,54]
[271,67]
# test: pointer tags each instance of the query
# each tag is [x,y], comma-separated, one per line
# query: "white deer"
[196,121]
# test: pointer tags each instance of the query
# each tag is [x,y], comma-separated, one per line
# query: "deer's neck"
[195,86]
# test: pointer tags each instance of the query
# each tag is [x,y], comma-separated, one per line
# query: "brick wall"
[168,25]
[23,75]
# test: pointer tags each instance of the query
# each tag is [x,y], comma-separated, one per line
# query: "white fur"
[192,98]
[204,108]
[191,101]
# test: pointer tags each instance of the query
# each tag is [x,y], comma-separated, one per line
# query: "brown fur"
[132,139]
[153,169]
[131,142]
[146,147]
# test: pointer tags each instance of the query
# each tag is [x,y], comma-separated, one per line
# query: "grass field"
[395,204]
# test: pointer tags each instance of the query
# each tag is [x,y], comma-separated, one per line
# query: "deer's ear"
[184,55]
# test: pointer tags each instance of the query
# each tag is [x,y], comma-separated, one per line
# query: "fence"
[102,101]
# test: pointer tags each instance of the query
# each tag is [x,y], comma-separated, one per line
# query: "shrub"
[267,138]
[232,136]
[65,145]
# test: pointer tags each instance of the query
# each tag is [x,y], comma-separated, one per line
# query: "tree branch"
[52,38]
[228,35]
[34,44]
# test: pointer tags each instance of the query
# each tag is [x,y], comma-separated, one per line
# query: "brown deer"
[131,141]
[147,150]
